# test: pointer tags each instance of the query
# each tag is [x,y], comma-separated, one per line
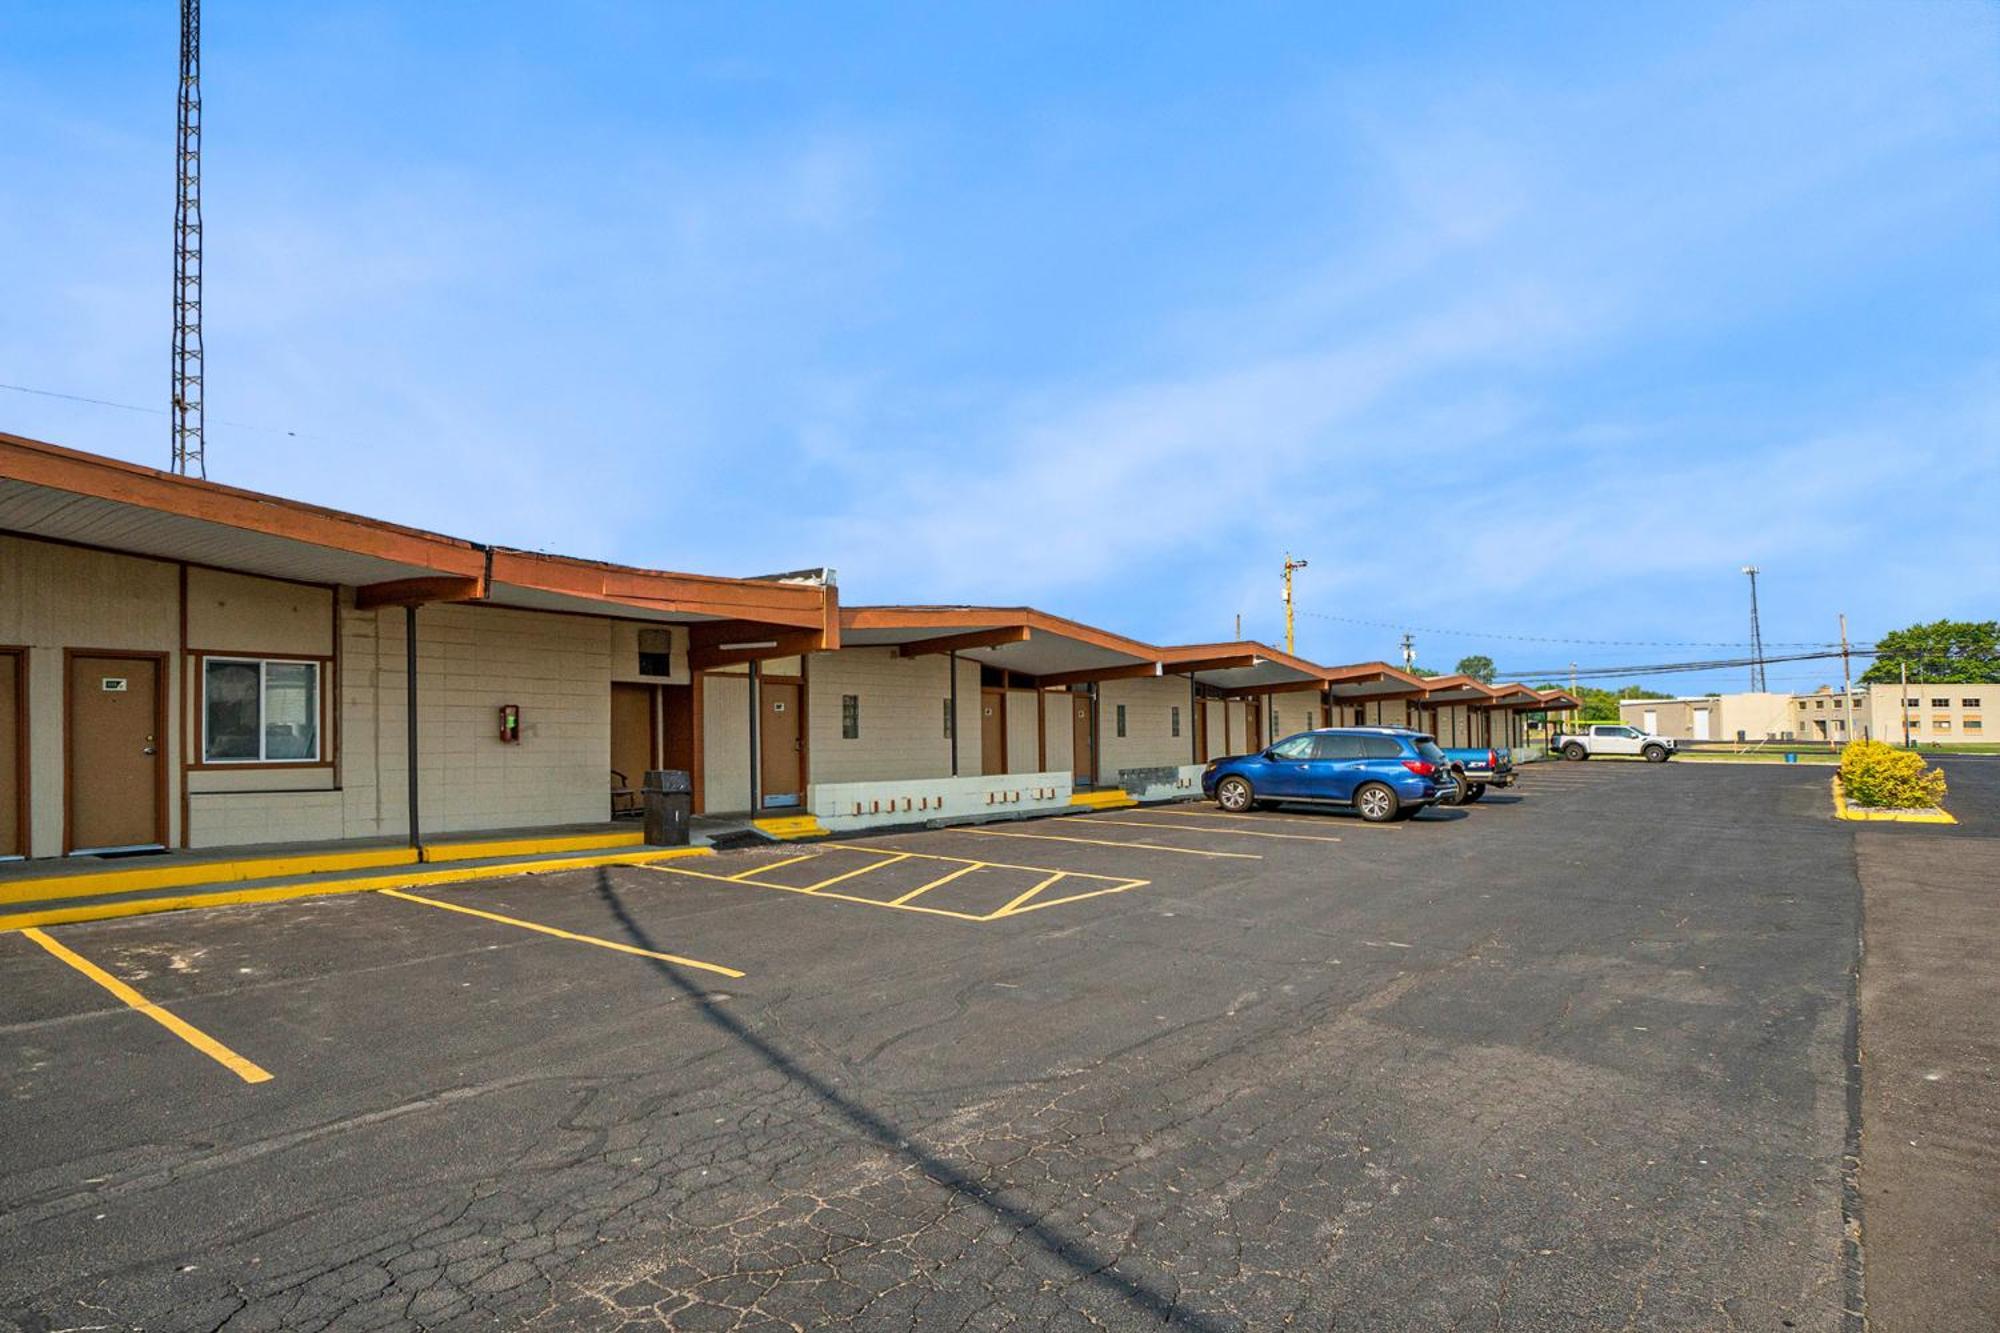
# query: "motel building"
[187,666]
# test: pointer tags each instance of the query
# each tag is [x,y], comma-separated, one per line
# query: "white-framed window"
[259,711]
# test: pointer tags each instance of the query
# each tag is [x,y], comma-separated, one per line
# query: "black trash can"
[669,795]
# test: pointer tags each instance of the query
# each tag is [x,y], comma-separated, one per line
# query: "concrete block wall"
[470,660]
[1296,711]
[54,597]
[901,703]
[1024,724]
[725,741]
[1149,742]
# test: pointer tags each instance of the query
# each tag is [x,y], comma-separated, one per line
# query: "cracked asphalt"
[1574,1057]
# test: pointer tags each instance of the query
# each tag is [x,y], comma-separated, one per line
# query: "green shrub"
[1876,774]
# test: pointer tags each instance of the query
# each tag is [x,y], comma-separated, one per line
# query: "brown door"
[13,756]
[1083,741]
[1253,726]
[779,749]
[116,766]
[677,721]
[992,732]
[631,743]
[1201,731]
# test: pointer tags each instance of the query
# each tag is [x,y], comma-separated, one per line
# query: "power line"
[1544,638]
[150,411]
[1676,668]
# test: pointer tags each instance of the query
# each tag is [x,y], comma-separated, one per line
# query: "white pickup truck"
[1595,738]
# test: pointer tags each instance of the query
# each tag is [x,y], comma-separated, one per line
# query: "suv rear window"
[1381,747]
[1428,748]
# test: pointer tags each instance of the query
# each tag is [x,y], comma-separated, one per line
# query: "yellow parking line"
[1108,842]
[1234,833]
[965,869]
[1029,894]
[815,888]
[246,1070]
[908,907]
[562,934]
[775,865]
[1072,898]
[960,860]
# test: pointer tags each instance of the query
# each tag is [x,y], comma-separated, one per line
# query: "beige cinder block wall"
[1024,747]
[1058,711]
[1149,741]
[725,740]
[240,615]
[470,661]
[54,597]
[1296,711]
[901,710]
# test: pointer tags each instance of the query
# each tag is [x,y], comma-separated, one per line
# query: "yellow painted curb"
[571,842]
[1841,810]
[1111,798]
[785,828]
[181,874]
[60,916]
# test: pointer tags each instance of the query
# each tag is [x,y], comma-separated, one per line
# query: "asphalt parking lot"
[1577,1056]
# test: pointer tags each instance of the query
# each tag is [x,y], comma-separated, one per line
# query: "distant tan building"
[1712,717]
[1828,715]
[1936,714]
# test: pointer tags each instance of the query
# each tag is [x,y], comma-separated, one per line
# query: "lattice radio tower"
[188,414]
[1756,636]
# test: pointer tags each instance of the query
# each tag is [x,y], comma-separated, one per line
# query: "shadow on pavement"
[1076,1253]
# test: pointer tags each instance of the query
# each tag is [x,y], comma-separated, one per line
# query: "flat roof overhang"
[65,495]
[1242,668]
[1514,697]
[1451,691]
[1052,650]
[1372,680]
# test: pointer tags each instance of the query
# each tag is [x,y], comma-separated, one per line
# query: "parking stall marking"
[1301,817]
[1110,842]
[946,878]
[247,1070]
[1233,833]
[1026,901]
[558,933]
[867,869]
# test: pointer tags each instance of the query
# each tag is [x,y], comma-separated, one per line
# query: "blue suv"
[1384,772]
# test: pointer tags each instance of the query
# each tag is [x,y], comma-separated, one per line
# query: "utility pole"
[1846,679]
[1904,702]
[1757,681]
[1239,627]
[1290,565]
[1409,651]
[188,412]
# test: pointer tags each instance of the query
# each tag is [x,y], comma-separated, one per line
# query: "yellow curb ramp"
[1111,798]
[1842,810]
[102,911]
[789,828]
[532,846]
[184,874]
[290,865]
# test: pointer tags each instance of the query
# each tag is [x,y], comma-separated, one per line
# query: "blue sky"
[1519,320]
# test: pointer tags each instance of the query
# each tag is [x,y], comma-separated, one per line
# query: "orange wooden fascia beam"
[958,643]
[418,592]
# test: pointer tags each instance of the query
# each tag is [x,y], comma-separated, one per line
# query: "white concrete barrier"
[1162,784]
[846,806]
